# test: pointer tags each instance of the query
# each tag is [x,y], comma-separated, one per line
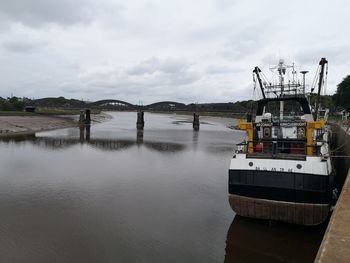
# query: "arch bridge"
[113,104]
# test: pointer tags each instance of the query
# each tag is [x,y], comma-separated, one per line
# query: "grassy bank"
[62,111]
[16,113]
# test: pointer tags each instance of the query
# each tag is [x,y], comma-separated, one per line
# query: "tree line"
[340,100]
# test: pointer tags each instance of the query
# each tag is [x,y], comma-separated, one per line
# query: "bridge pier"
[195,121]
[82,117]
[87,117]
[84,125]
[140,120]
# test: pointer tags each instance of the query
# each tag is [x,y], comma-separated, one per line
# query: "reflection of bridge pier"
[139,137]
[87,132]
[195,121]
[84,133]
[112,144]
[195,139]
[81,133]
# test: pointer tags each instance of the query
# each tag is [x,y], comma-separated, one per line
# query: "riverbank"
[27,124]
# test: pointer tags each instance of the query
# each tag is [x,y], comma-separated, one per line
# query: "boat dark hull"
[283,196]
[295,213]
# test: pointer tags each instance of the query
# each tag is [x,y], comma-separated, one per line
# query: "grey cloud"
[70,89]
[173,66]
[335,54]
[172,75]
[145,67]
[168,72]
[225,4]
[139,82]
[269,59]
[153,65]
[239,45]
[238,48]
[101,55]
[219,69]
[38,12]
[185,78]
[22,46]
[248,40]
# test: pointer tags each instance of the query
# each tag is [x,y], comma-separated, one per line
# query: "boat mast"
[257,70]
[323,62]
[281,71]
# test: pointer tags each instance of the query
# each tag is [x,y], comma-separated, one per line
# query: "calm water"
[116,195]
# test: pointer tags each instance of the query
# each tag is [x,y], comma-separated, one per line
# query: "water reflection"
[250,240]
[139,136]
[87,132]
[84,133]
[56,143]
[160,196]
[195,138]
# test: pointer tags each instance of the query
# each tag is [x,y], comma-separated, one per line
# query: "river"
[113,194]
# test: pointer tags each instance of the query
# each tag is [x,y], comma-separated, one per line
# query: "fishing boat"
[282,171]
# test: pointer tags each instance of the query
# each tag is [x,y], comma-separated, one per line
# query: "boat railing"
[277,148]
[290,89]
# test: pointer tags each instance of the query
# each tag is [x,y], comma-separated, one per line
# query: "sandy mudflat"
[26,124]
[12,125]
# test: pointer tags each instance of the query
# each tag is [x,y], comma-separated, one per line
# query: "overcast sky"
[181,50]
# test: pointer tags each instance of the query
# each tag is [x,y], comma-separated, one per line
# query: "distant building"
[344,114]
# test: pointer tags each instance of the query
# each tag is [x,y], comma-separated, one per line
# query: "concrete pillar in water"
[195,121]
[84,127]
[82,117]
[140,120]
[87,117]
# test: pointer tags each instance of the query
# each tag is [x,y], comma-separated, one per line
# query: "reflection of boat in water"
[252,240]
[283,171]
